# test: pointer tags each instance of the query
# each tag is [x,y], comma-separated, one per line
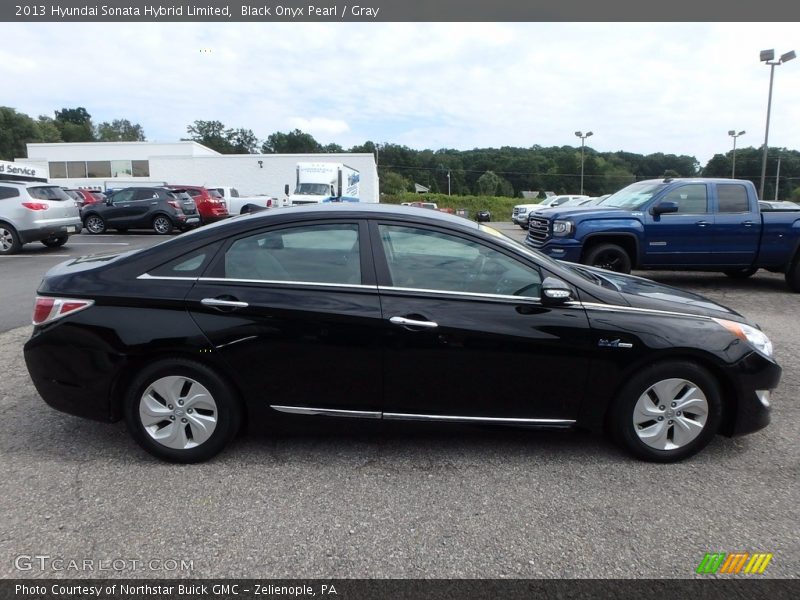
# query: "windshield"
[634,196]
[312,189]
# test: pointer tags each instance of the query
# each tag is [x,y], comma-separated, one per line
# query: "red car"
[84,197]
[210,204]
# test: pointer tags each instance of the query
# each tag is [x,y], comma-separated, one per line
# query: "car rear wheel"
[9,240]
[94,224]
[741,273]
[162,225]
[609,257]
[668,412]
[56,241]
[181,411]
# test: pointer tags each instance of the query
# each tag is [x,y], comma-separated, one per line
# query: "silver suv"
[35,212]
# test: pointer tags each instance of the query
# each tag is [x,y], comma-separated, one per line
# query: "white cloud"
[669,87]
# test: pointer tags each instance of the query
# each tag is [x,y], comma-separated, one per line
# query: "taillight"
[36,205]
[47,309]
[173,203]
[269,203]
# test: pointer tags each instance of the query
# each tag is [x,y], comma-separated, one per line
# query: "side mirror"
[286,189]
[664,207]
[109,201]
[555,292]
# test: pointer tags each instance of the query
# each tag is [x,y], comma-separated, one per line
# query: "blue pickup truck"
[689,224]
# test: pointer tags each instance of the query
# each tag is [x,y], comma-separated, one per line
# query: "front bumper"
[753,374]
[559,248]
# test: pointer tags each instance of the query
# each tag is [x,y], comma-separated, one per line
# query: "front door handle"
[747,223]
[703,223]
[403,322]
[223,304]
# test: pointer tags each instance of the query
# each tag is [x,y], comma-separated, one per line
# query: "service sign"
[12,170]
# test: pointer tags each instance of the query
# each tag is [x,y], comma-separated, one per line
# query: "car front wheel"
[94,224]
[668,412]
[181,411]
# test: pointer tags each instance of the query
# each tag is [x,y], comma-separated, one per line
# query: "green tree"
[243,141]
[48,131]
[212,134]
[74,124]
[294,142]
[394,183]
[16,130]
[120,130]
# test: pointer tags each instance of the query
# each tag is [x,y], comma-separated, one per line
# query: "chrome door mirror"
[555,292]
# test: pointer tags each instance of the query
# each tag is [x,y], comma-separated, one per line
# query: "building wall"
[189,163]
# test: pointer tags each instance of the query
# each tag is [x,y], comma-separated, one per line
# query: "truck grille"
[538,230]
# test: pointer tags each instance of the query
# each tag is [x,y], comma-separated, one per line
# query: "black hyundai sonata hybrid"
[387,312]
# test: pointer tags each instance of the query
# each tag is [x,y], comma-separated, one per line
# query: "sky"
[659,87]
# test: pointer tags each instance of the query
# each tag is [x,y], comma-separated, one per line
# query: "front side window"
[691,199]
[424,259]
[308,254]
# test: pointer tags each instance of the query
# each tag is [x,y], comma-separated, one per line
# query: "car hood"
[591,211]
[639,292]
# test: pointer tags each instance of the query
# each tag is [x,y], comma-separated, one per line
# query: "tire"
[792,275]
[56,241]
[9,240]
[638,422]
[174,403]
[608,256]
[741,273]
[162,225]
[94,224]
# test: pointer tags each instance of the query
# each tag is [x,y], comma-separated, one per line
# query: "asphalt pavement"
[374,500]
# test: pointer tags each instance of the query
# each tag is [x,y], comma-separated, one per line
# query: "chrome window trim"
[285,282]
[634,309]
[329,412]
[390,288]
[146,276]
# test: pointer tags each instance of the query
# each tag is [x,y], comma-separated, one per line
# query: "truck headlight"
[755,337]
[562,227]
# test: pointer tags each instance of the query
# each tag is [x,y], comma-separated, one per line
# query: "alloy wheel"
[178,412]
[6,239]
[95,224]
[162,225]
[670,414]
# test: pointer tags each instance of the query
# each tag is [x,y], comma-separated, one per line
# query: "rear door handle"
[403,322]
[702,223]
[219,303]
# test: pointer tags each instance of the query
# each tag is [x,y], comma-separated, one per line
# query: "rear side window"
[8,192]
[188,265]
[691,199]
[732,198]
[48,192]
[309,254]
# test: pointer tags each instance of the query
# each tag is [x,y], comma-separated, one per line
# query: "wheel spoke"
[152,411]
[685,430]
[655,435]
[202,426]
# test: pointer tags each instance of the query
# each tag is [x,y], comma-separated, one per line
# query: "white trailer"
[318,182]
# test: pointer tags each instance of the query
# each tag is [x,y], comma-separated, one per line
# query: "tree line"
[505,171]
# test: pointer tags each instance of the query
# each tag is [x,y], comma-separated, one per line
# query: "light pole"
[768,57]
[777,178]
[583,137]
[734,135]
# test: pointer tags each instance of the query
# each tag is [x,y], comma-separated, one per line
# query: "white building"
[103,165]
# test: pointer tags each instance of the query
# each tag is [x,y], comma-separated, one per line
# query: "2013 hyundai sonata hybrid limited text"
[386,312]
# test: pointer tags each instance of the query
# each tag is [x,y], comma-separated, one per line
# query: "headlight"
[755,337]
[562,227]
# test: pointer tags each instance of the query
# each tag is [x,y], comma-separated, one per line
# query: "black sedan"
[321,310]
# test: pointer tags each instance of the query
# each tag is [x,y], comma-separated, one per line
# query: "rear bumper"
[44,231]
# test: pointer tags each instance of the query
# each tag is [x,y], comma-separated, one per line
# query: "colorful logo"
[736,563]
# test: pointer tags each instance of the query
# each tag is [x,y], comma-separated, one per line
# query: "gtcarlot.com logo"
[45,562]
[735,563]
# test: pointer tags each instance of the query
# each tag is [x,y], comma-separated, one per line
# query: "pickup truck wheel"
[667,412]
[741,273]
[793,276]
[609,257]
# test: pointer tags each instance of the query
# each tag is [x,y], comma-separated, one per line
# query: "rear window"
[50,192]
[215,194]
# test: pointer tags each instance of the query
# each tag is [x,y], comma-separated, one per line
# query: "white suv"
[521,211]
[35,212]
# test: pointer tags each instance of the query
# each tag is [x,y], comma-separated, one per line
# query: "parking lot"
[357,500]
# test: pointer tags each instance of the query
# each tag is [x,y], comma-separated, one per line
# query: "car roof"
[28,183]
